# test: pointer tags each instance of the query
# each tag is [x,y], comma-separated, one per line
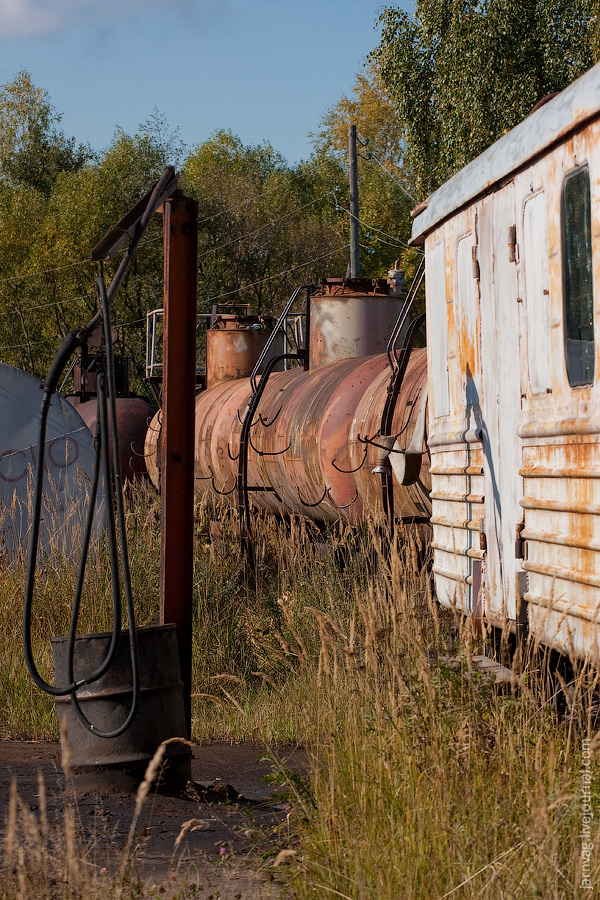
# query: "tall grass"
[424,781]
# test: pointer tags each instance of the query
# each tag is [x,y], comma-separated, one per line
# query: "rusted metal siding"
[133,418]
[519,451]
[560,432]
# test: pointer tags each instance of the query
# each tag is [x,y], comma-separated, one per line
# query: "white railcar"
[512,249]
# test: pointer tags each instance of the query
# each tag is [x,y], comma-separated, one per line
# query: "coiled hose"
[107,422]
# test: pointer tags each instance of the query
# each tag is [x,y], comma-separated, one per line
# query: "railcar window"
[577,277]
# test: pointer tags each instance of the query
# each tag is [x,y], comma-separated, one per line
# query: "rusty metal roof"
[549,124]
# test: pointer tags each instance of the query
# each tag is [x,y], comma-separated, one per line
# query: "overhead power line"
[279,274]
[224,212]
[396,241]
[266,225]
[81,262]
[389,174]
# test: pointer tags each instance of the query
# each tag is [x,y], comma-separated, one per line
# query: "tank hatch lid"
[234,322]
[549,124]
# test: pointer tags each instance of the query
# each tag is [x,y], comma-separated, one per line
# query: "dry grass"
[424,781]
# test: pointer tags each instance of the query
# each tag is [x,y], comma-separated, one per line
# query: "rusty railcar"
[512,249]
[313,441]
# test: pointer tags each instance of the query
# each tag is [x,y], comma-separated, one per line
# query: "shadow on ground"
[227,852]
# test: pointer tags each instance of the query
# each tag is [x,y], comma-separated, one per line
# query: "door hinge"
[513,248]
[520,544]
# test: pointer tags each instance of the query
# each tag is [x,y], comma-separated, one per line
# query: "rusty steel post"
[180,229]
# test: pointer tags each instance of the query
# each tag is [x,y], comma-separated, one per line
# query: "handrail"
[280,320]
[403,315]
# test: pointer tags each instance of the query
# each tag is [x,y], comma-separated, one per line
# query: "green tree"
[33,150]
[462,72]
[47,277]
[80,210]
[264,227]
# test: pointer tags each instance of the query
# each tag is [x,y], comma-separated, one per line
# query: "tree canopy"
[439,88]
[462,72]
[264,227]
[33,150]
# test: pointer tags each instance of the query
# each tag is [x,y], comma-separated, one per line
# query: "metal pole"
[180,230]
[353,175]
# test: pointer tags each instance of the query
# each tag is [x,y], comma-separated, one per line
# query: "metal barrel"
[121,762]
[234,346]
[349,322]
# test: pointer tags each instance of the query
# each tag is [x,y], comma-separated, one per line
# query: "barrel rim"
[143,629]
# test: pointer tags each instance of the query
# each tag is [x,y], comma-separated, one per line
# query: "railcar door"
[501,405]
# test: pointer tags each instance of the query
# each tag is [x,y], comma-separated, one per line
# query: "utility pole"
[353,175]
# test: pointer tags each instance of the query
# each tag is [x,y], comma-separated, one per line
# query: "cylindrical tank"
[313,442]
[234,344]
[348,323]
[133,419]
[309,443]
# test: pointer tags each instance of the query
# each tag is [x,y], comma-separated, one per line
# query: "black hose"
[112,539]
[58,364]
[72,340]
[102,449]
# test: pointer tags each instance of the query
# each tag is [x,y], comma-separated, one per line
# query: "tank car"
[512,251]
[314,438]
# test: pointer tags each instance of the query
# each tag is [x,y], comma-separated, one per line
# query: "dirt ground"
[227,854]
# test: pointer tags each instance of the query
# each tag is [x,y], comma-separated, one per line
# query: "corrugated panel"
[457,508]
[562,530]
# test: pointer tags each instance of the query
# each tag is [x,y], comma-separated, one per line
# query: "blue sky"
[266,69]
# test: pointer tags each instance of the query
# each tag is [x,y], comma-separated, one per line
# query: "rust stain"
[233,346]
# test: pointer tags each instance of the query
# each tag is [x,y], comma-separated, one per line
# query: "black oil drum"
[121,762]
